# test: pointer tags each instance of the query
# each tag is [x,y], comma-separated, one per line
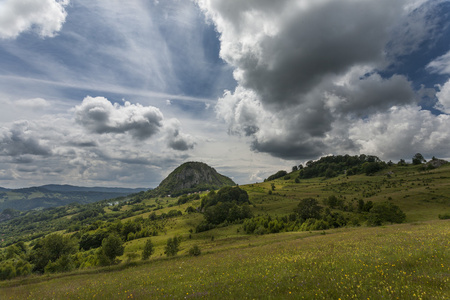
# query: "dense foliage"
[310,215]
[331,166]
[277,175]
[229,204]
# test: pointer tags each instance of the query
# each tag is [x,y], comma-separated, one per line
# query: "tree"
[308,208]
[112,247]
[173,246]
[51,248]
[418,159]
[385,212]
[148,250]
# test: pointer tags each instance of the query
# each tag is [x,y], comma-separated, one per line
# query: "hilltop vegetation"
[139,231]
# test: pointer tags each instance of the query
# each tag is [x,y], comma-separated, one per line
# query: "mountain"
[71,188]
[53,195]
[191,177]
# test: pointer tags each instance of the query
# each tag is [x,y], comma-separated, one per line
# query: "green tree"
[51,248]
[148,250]
[112,247]
[308,208]
[173,246]
[385,212]
[418,159]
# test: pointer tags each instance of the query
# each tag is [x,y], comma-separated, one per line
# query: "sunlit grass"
[409,261]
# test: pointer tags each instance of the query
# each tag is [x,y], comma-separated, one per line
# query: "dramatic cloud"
[46,17]
[100,116]
[308,71]
[19,140]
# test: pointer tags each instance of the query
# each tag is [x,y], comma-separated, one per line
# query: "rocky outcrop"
[192,177]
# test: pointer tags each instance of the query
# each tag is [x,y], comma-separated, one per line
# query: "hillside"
[267,253]
[191,177]
[57,195]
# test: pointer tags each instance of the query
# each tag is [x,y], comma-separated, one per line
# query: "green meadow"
[393,261]
[407,261]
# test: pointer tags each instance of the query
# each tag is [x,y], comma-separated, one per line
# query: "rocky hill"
[191,177]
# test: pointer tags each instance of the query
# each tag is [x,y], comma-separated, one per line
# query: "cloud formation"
[175,138]
[46,17]
[310,71]
[19,141]
[99,115]
[95,142]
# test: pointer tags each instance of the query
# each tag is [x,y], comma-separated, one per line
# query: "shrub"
[195,251]
[444,216]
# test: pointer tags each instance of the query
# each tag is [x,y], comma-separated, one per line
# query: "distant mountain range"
[52,195]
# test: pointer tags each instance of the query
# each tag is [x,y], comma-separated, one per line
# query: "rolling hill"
[274,252]
[57,195]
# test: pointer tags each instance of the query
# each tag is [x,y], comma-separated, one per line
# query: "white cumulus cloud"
[46,17]
[99,115]
[443,97]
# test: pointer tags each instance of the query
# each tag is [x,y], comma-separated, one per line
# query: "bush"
[444,216]
[63,264]
[195,251]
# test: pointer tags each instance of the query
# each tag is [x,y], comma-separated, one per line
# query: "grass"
[408,261]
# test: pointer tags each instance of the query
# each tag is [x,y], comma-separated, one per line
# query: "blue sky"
[113,93]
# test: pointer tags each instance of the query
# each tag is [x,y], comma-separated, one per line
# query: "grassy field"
[407,261]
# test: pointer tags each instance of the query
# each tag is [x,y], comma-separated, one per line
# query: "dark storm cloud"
[327,39]
[307,71]
[373,93]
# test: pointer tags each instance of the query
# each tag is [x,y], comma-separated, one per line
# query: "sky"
[120,93]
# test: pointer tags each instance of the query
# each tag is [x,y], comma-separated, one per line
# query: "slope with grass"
[407,261]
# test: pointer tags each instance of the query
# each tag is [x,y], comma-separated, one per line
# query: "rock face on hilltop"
[192,177]
[436,163]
